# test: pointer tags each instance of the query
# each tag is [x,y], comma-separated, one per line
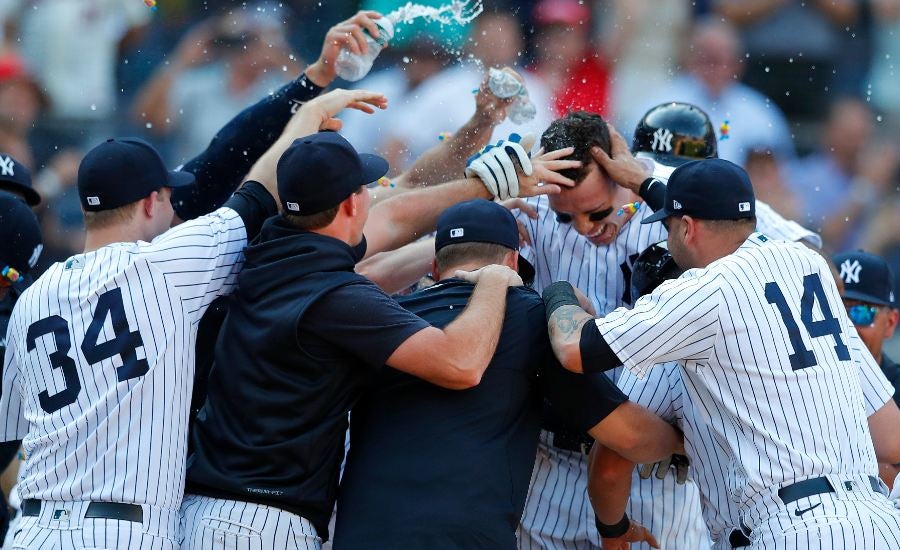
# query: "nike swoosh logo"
[798,512]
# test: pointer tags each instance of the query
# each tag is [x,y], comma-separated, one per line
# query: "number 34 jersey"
[769,358]
[100,364]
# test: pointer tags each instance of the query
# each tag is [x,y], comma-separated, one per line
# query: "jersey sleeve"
[201,258]
[655,392]
[772,224]
[877,389]
[676,322]
[364,320]
[13,425]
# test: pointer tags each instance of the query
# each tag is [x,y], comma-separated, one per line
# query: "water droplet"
[149,125]
[93,107]
[767,69]
[879,118]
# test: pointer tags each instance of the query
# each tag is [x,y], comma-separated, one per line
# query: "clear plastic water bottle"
[505,85]
[352,67]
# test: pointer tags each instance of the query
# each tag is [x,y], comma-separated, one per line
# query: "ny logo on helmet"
[850,271]
[7,167]
[662,140]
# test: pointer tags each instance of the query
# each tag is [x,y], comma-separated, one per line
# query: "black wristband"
[615,530]
[653,191]
[556,295]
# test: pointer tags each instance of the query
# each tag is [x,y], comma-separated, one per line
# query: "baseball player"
[662,391]
[755,325]
[96,341]
[584,237]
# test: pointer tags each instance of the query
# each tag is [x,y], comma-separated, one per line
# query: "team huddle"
[590,345]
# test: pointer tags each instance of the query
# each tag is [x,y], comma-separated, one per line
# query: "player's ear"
[893,319]
[435,271]
[512,260]
[149,204]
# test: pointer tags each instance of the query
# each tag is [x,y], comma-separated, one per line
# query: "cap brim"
[863,297]
[32,197]
[180,179]
[373,167]
[656,216]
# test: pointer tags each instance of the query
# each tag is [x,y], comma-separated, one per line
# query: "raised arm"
[402,219]
[457,356]
[398,269]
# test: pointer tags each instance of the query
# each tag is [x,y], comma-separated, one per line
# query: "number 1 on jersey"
[828,326]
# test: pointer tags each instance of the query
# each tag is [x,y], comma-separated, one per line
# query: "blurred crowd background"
[803,93]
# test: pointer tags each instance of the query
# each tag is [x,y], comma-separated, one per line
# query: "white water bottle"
[504,85]
[352,67]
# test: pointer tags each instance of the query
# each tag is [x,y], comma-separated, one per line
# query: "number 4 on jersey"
[828,326]
[125,345]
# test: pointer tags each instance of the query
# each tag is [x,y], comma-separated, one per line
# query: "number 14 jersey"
[769,358]
[99,366]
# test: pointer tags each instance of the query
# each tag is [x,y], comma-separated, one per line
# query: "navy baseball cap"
[319,171]
[867,278]
[15,178]
[708,189]
[121,171]
[481,221]
[20,236]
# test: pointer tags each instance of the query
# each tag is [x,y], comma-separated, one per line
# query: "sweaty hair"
[463,253]
[113,216]
[581,130]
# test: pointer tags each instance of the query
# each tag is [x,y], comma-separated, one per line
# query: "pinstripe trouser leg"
[91,534]
[217,524]
[870,524]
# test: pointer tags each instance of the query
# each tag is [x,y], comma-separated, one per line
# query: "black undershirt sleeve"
[596,355]
[602,397]
[254,204]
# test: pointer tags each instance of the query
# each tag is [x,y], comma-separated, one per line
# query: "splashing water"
[459,12]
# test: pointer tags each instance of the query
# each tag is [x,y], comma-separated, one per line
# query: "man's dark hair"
[581,130]
[318,220]
[462,253]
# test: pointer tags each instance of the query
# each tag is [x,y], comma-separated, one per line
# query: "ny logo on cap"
[850,271]
[676,205]
[6,167]
[293,206]
[93,201]
[458,232]
[662,140]
[744,207]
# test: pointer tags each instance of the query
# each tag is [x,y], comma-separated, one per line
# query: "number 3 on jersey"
[828,326]
[124,344]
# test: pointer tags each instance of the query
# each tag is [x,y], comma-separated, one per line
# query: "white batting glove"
[496,168]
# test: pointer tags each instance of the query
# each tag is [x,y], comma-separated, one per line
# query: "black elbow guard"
[653,191]
[596,355]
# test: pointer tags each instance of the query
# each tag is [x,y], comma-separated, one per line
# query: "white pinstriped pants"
[218,524]
[870,524]
[62,526]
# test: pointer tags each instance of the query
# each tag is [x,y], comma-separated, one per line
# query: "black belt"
[103,510]
[575,442]
[737,539]
[817,486]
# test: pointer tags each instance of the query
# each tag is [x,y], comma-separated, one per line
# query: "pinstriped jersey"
[767,360]
[662,392]
[100,366]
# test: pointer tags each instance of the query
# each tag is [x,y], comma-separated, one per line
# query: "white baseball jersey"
[763,341]
[662,392]
[100,365]
[603,273]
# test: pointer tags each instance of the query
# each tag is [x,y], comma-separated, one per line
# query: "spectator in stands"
[845,181]
[72,47]
[565,60]
[744,118]
[219,67]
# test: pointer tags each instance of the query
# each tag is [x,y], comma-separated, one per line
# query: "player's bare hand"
[636,533]
[347,33]
[528,210]
[491,272]
[327,106]
[622,167]
[545,178]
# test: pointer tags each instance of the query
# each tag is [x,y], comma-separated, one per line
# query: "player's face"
[874,323]
[590,207]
